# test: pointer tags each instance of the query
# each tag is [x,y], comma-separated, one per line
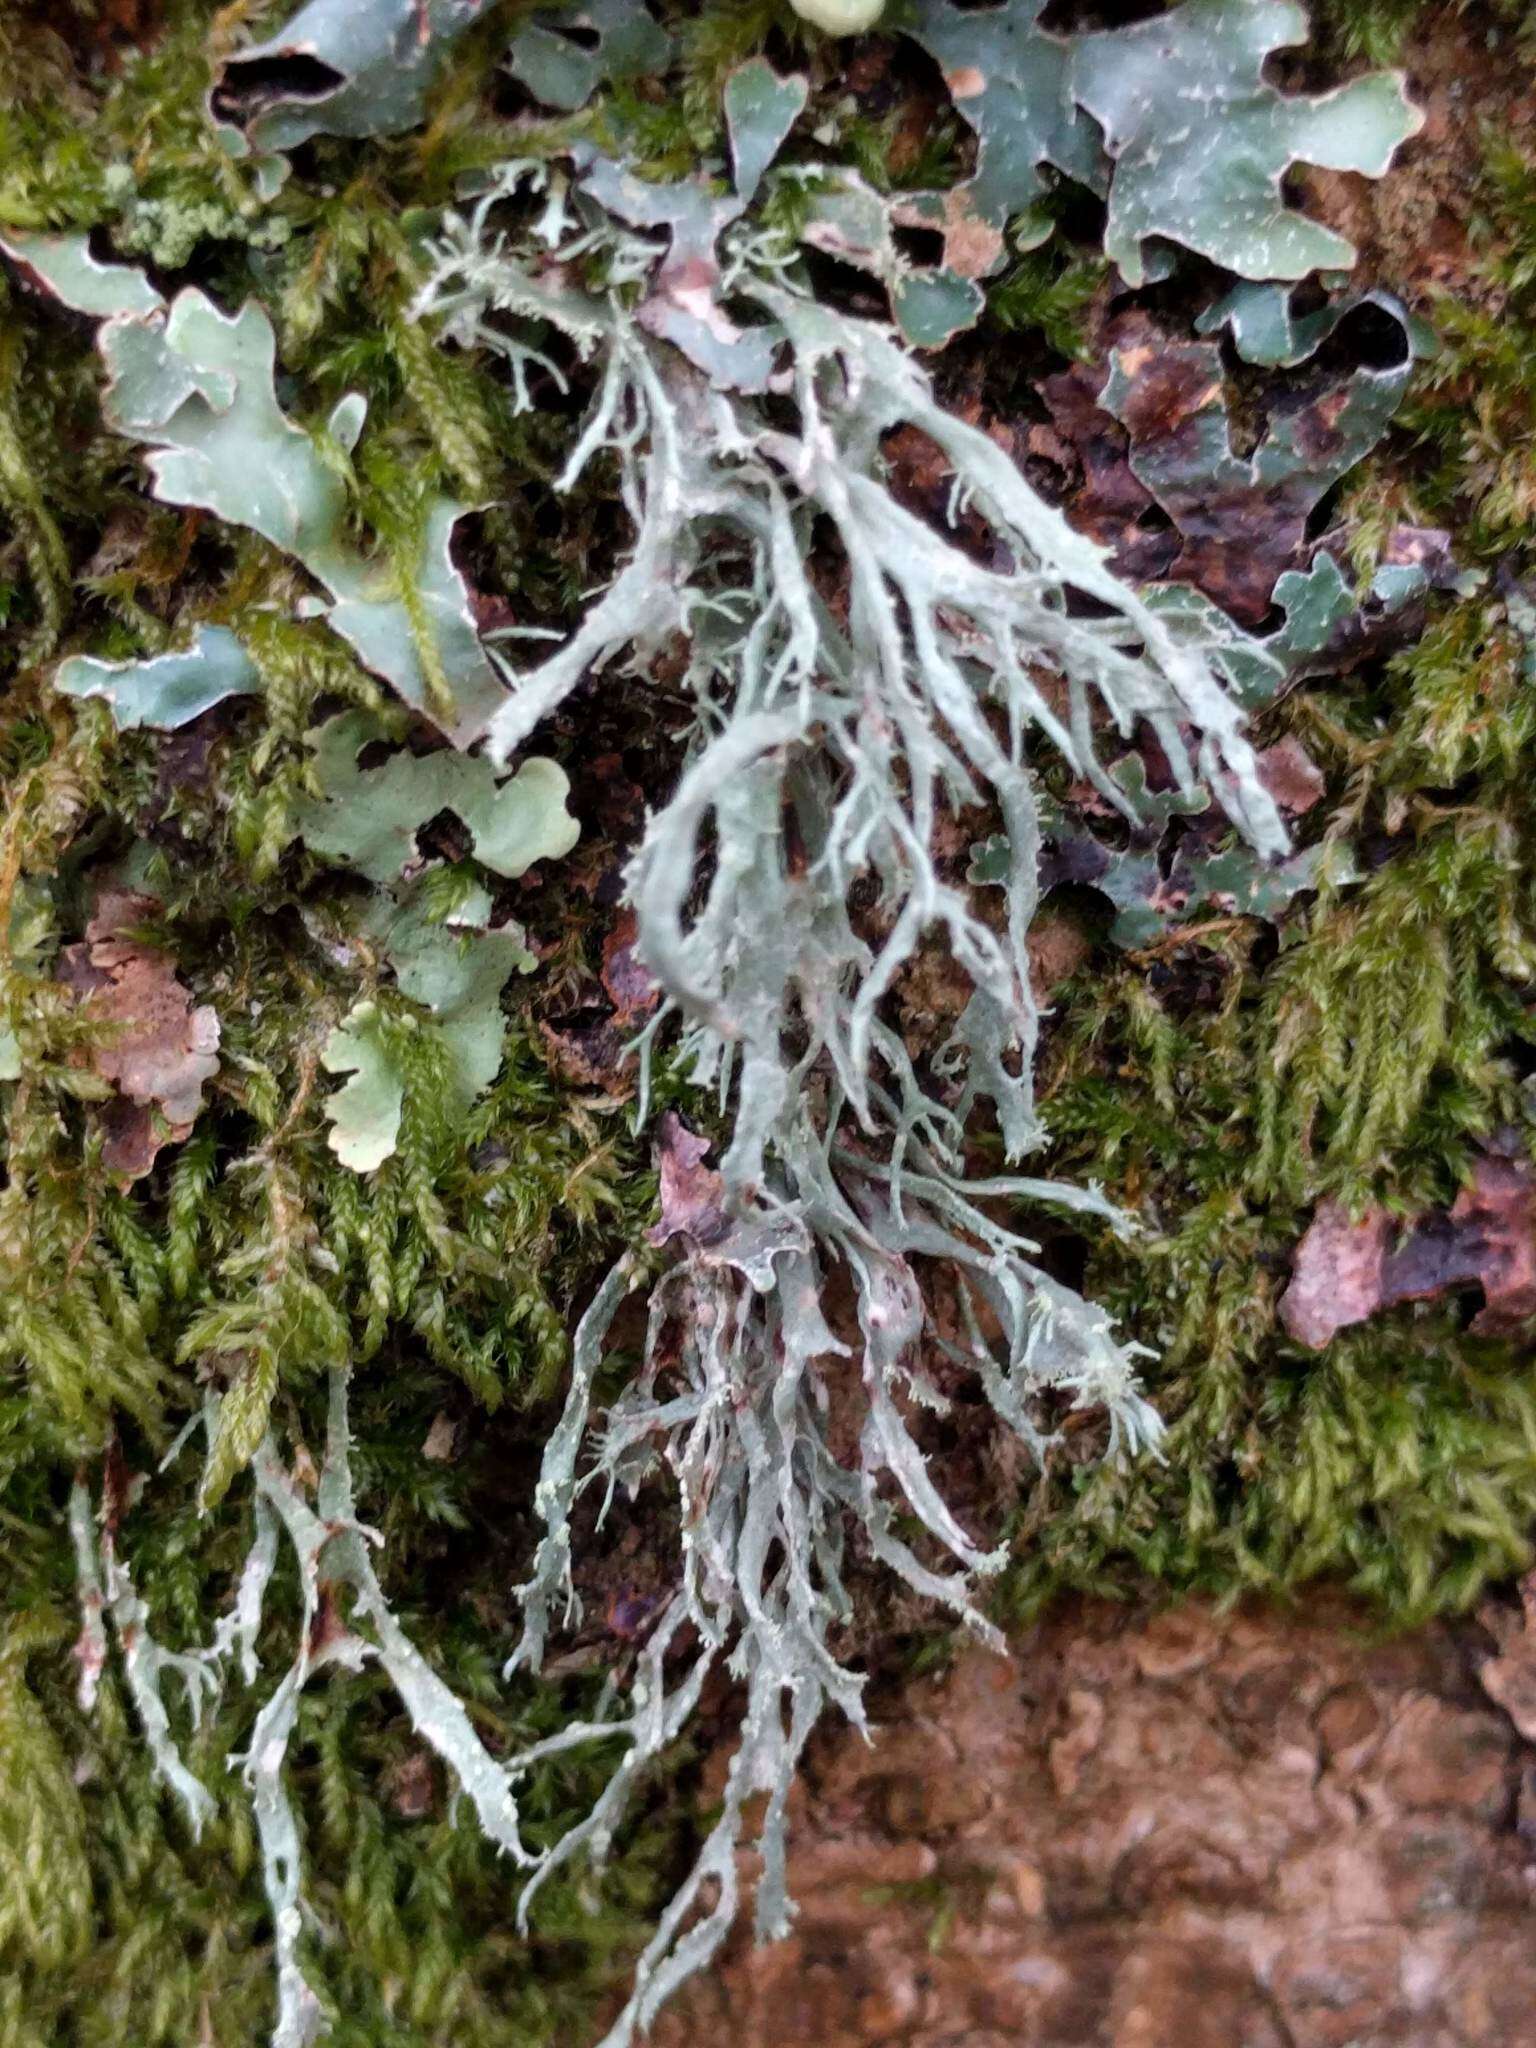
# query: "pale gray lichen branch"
[332,1552]
[107,1595]
[826,749]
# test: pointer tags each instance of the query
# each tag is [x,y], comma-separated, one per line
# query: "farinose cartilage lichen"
[330,1549]
[824,751]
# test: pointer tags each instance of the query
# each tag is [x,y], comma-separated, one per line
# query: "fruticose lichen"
[826,748]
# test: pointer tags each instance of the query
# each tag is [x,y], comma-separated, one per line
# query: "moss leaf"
[243,1416]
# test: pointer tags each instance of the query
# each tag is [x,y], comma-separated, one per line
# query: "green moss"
[1377,30]
[1401,1462]
[253,1258]
[1474,412]
[1049,291]
[1371,29]
[129,1930]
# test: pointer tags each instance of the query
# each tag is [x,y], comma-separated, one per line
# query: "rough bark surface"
[1173,1830]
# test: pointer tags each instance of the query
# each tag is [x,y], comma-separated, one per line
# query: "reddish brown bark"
[1175,1831]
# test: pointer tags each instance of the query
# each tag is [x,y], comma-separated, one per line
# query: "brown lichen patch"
[1138,1830]
[1347,1267]
[973,246]
[157,1050]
